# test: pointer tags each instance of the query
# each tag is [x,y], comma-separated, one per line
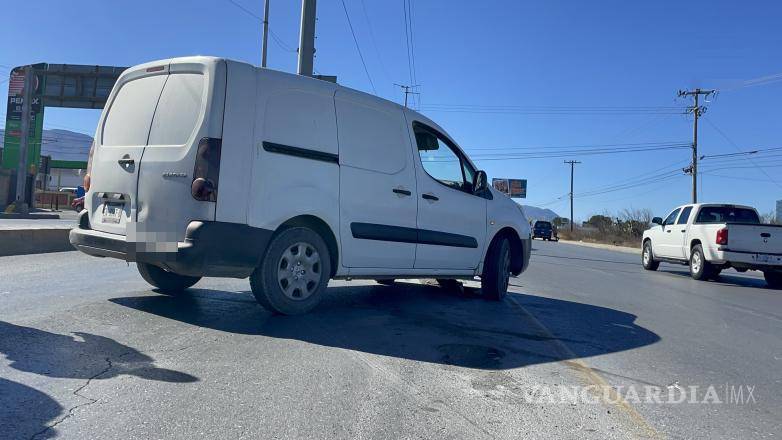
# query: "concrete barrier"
[34,241]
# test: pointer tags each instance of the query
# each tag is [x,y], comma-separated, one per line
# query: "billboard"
[516,188]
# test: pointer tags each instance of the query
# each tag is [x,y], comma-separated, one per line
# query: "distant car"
[544,230]
[713,237]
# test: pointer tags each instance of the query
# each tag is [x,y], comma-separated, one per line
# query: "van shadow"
[418,322]
[85,356]
[26,412]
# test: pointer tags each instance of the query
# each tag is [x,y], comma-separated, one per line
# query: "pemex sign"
[13,120]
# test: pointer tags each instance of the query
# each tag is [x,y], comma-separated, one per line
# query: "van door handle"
[429,196]
[401,191]
[125,162]
[684,230]
[669,231]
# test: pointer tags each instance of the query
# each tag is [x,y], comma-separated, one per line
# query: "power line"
[584,146]
[277,40]
[406,6]
[730,141]
[374,41]
[355,40]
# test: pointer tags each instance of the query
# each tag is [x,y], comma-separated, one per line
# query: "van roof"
[311,82]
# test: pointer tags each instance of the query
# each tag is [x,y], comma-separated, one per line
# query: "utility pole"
[265,32]
[21,170]
[572,163]
[697,111]
[307,38]
[408,90]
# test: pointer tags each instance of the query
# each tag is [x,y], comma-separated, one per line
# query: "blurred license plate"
[112,212]
[763,258]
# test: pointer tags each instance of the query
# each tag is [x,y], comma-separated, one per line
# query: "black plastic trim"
[400,234]
[301,152]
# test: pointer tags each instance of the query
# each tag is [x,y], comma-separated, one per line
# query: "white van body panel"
[375,160]
[295,112]
[238,137]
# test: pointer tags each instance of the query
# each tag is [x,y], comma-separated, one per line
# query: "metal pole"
[265,32]
[696,112]
[307,38]
[572,164]
[21,170]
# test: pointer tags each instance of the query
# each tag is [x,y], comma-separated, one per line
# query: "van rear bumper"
[210,249]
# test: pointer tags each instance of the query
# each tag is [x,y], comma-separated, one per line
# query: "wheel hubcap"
[695,264]
[647,255]
[299,271]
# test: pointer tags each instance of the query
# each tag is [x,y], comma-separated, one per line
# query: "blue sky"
[611,69]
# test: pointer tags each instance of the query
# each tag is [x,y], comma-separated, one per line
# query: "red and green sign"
[13,121]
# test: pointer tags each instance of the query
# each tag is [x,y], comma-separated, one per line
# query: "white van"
[210,167]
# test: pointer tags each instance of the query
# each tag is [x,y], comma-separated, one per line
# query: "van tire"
[647,257]
[700,269]
[167,282]
[295,247]
[773,278]
[496,271]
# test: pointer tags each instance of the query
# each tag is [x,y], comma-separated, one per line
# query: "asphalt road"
[90,352]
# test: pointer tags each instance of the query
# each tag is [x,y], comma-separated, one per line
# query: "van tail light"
[206,173]
[722,236]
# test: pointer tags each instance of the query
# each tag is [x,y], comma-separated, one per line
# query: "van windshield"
[155,110]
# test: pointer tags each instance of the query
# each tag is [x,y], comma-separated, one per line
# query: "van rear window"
[130,115]
[178,109]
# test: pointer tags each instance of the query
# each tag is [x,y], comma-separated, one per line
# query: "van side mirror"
[657,221]
[480,182]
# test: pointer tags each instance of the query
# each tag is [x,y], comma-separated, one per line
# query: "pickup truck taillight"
[206,172]
[722,236]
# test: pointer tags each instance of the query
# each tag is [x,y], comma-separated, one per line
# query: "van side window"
[685,216]
[671,217]
[441,161]
[130,114]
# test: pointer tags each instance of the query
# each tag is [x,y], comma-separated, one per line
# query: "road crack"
[77,393]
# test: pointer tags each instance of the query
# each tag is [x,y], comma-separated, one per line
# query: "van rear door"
[146,148]
[119,145]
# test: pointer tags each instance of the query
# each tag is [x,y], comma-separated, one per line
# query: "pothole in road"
[471,356]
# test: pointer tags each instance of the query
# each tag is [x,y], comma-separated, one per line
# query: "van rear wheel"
[167,282]
[496,271]
[294,272]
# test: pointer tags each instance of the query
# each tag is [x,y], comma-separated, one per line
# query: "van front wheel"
[293,275]
[167,282]
[496,271]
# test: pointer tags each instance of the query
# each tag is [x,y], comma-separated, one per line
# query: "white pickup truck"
[712,237]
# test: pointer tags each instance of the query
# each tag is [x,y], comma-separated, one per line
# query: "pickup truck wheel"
[496,271]
[167,282]
[647,257]
[700,269]
[293,275]
[773,279]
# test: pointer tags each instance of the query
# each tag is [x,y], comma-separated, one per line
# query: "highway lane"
[90,349]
